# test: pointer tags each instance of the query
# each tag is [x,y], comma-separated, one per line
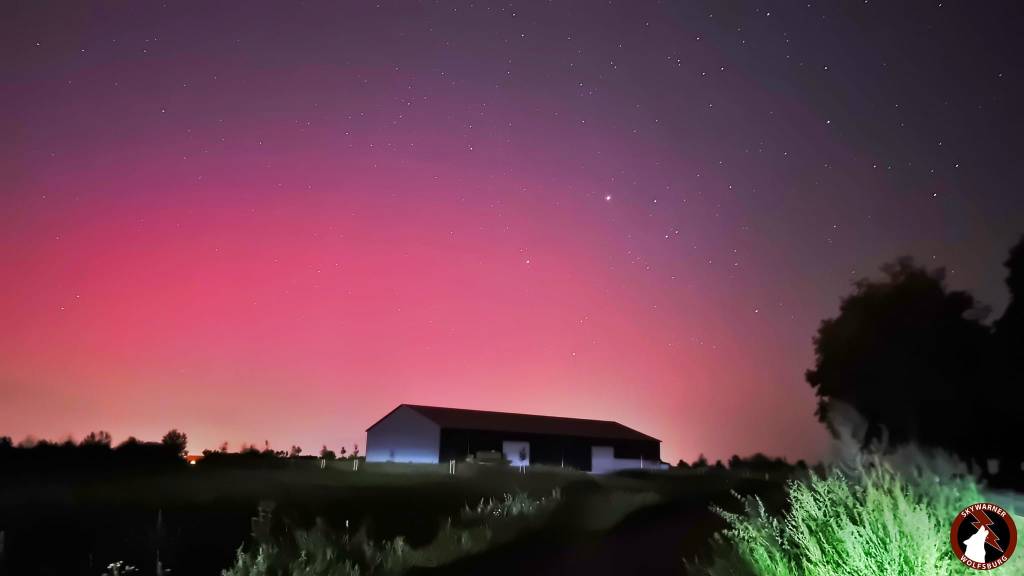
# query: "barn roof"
[461,419]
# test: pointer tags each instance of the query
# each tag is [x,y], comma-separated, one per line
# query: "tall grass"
[868,516]
[320,551]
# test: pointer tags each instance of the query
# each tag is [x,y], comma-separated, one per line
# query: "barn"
[430,434]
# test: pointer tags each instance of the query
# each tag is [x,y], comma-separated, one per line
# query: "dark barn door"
[577,454]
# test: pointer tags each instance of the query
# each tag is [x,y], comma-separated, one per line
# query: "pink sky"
[276,223]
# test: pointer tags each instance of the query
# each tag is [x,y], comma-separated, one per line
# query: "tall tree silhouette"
[1009,358]
[909,355]
[1009,329]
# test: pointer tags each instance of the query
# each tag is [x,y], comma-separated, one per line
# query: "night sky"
[277,220]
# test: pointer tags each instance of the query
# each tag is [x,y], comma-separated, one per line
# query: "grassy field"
[194,520]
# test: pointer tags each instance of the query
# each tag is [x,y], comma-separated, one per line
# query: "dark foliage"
[1008,336]
[99,439]
[176,441]
[918,363]
[758,463]
[247,457]
[92,455]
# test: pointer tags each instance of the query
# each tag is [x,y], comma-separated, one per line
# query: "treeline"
[756,464]
[95,451]
[249,455]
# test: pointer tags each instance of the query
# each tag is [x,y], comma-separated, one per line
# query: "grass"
[196,518]
[872,516]
[321,551]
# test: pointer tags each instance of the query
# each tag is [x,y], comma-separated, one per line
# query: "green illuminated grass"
[876,517]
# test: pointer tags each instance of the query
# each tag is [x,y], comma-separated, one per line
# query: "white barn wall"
[404,436]
[603,461]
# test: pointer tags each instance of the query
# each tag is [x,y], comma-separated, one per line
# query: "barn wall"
[403,436]
[544,449]
[605,460]
[569,451]
[648,450]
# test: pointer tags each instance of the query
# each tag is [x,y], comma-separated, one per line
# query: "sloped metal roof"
[461,419]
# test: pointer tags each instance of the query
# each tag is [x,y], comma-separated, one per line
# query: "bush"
[875,516]
[320,551]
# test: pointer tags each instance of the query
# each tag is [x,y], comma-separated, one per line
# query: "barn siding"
[570,451]
[407,434]
[404,435]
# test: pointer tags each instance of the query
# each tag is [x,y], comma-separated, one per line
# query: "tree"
[1009,359]
[326,453]
[1010,326]
[758,463]
[700,462]
[175,441]
[295,452]
[906,353]
[99,439]
[129,442]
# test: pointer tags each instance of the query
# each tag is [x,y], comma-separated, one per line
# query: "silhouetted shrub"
[176,441]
